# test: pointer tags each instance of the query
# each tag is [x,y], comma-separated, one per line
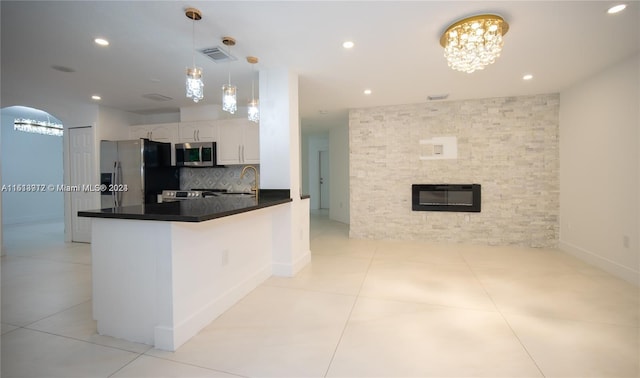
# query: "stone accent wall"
[508,145]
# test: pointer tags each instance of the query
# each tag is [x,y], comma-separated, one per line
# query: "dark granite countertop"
[199,210]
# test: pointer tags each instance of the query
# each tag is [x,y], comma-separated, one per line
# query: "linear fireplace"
[446,197]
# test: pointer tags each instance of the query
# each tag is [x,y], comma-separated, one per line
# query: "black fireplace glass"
[446,197]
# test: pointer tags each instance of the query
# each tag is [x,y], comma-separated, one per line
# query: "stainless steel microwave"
[197,154]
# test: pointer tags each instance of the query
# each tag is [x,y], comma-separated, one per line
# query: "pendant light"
[194,84]
[229,103]
[253,113]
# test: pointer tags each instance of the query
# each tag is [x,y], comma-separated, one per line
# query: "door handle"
[113,182]
[119,192]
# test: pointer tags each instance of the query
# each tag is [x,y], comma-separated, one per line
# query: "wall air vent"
[218,54]
[156,97]
[438,97]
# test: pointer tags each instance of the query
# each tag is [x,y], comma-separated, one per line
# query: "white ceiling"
[397,52]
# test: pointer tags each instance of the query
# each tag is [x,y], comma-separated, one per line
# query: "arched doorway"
[32,170]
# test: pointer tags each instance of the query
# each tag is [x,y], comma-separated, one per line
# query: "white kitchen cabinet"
[164,132]
[201,131]
[238,142]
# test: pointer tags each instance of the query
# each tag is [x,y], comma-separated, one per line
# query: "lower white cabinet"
[238,142]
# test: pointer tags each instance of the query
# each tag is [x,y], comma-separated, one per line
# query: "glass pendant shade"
[253,113]
[229,103]
[473,43]
[253,110]
[195,85]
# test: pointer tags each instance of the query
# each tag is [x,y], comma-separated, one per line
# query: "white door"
[324,179]
[81,173]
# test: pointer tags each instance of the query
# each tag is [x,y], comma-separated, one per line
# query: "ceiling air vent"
[156,97]
[217,54]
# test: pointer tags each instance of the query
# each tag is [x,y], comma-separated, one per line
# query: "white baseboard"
[290,270]
[618,270]
[170,338]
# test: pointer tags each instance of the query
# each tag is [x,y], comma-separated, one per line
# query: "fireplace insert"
[446,197]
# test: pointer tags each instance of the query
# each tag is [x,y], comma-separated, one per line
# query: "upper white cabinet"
[201,131]
[238,142]
[165,132]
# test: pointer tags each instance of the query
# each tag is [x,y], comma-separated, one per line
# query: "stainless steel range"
[179,195]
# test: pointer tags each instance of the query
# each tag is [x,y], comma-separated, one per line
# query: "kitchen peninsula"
[162,272]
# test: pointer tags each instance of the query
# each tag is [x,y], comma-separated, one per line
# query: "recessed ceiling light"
[527,77]
[367,91]
[616,8]
[348,44]
[96,97]
[101,41]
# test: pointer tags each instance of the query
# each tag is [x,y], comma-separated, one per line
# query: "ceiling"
[397,52]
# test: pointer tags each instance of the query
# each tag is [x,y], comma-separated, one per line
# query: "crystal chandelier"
[475,42]
[229,91]
[38,127]
[253,113]
[194,84]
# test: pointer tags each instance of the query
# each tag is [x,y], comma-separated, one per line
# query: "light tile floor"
[361,309]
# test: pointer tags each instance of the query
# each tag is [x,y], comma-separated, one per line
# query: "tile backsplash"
[217,178]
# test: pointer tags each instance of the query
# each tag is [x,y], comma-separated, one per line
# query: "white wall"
[208,112]
[114,124]
[201,113]
[279,131]
[599,169]
[30,159]
[150,119]
[280,168]
[339,168]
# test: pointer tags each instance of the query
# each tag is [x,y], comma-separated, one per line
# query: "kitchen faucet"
[255,187]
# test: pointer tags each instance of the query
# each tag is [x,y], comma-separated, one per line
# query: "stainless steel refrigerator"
[134,172]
